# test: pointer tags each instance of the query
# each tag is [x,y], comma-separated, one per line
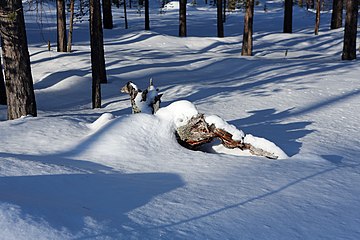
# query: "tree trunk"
[288,12]
[182,19]
[336,16]
[147,18]
[107,14]
[2,87]
[71,25]
[247,45]
[97,52]
[317,21]
[349,48]
[125,15]
[220,23]
[61,26]
[18,78]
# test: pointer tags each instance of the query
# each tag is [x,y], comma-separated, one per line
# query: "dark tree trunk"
[125,15]
[18,78]
[247,45]
[97,52]
[317,21]
[336,16]
[288,12]
[107,14]
[147,18]
[220,23]
[71,25]
[349,49]
[182,18]
[61,26]
[2,88]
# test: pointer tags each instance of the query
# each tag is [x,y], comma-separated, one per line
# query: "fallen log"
[197,132]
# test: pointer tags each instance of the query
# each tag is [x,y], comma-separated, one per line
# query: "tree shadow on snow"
[72,200]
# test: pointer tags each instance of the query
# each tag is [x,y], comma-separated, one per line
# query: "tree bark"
[288,12]
[317,20]
[107,14]
[61,26]
[182,19]
[71,25]
[220,23]
[2,87]
[336,16]
[247,45]
[349,48]
[18,78]
[147,17]
[125,15]
[97,53]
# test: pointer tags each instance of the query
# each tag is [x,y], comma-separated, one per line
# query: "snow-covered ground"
[78,173]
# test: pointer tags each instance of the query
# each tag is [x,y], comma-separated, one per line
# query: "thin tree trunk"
[97,52]
[336,16]
[147,18]
[71,25]
[288,12]
[182,19]
[125,15]
[107,14]
[247,45]
[2,87]
[317,20]
[61,26]
[349,48]
[18,78]
[220,23]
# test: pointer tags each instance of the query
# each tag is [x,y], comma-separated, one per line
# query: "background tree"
[107,14]
[19,82]
[2,88]
[220,23]
[125,15]
[247,44]
[349,48]
[288,12]
[71,25]
[317,18]
[182,18]
[97,53]
[61,26]
[147,18]
[336,15]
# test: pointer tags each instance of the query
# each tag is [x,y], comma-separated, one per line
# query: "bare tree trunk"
[336,16]
[349,49]
[97,52]
[147,18]
[125,15]
[317,21]
[288,12]
[247,45]
[107,14]
[71,25]
[182,19]
[220,23]
[2,87]
[61,26]
[18,78]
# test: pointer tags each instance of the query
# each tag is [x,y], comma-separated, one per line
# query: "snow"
[79,173]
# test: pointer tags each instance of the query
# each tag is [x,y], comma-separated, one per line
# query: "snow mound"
[265,145]
[101,121]
[237,134]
